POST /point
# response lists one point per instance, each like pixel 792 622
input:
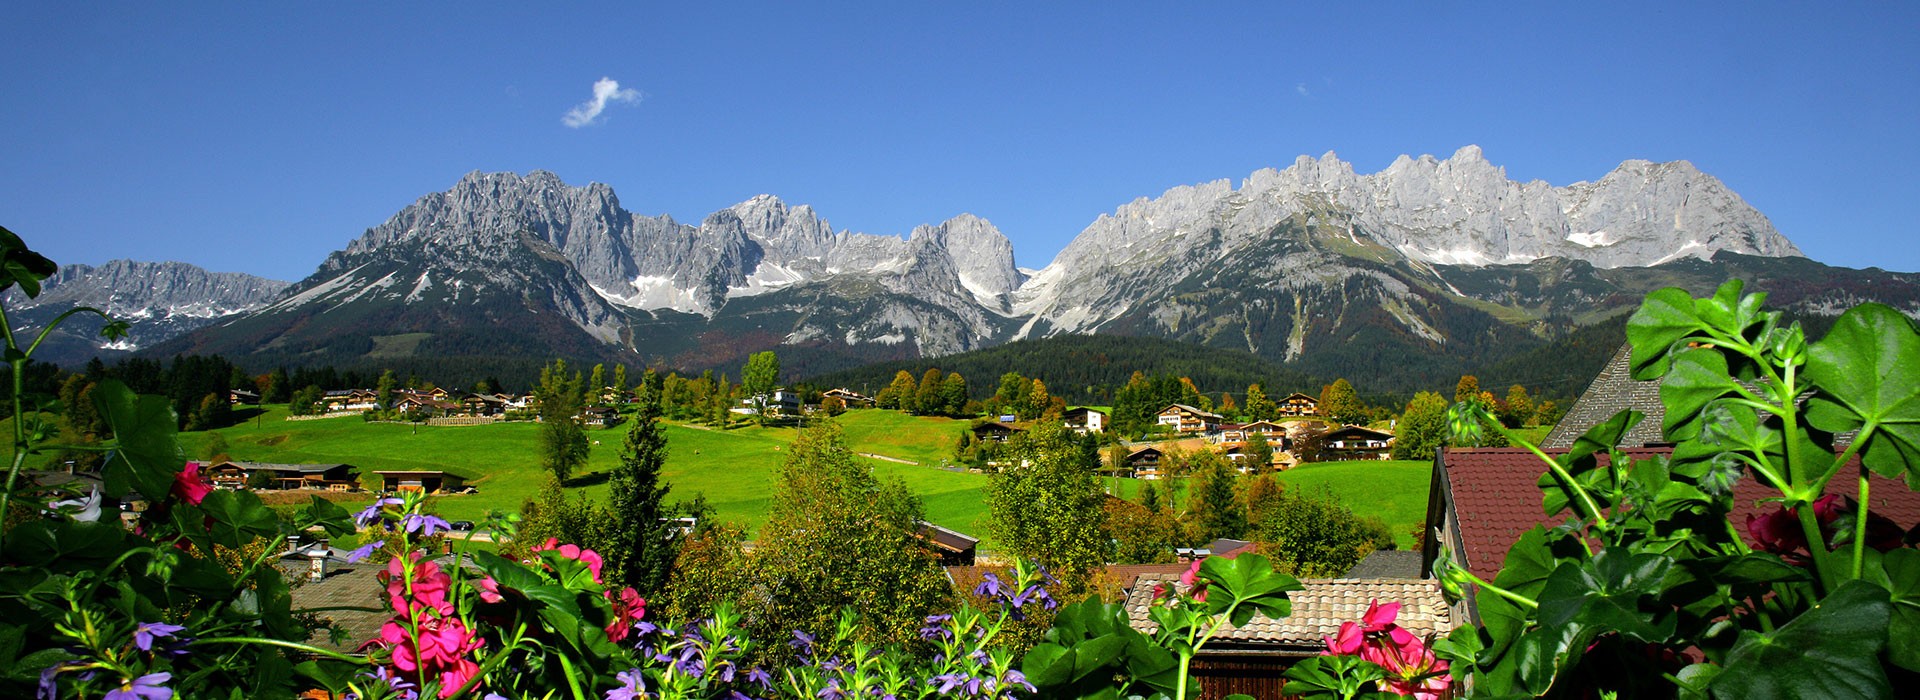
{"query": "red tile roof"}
pixel 1496 500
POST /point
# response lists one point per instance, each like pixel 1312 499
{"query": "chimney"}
pixel 318 568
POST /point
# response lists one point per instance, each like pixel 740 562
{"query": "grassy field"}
pixel 735 468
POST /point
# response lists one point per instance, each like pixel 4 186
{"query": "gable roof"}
pixel 1192 410
pixel 1612 391
pixel 1317 612
pixel 1298 395
pixel 1360 431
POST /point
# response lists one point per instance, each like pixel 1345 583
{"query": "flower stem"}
pixel 1860 525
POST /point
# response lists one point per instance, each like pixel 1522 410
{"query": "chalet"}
pixel 424 404
pixel 328 477
pixel 1187 419
pixel 1228 433
pixel 1274 433
pixel 1298 404
pixel 1144 463
pixel 430 481
pixel 613 396
pixel 225 475
pixel 1085 420
pixel 600 416
pixel 1357 442
pixel 1251 658
pixel 350 400
pixel 482 405
pixel 243 397
pixel 848 397
pixel 954 548
pixel 995 431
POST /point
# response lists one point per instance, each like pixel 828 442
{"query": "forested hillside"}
pixel 1087 369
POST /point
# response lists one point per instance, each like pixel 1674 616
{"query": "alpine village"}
pixel 1314 432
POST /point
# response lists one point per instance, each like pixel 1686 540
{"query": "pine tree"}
pixel 638 543
pixel 1215 507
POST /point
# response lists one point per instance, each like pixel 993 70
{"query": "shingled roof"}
pixel 1317 612
pixel 1613 391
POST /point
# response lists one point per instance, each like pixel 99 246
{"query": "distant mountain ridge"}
pixel 1425 268
pixel 159 300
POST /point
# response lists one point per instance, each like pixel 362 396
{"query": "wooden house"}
pixel 243 397
pixel 1357 442
pixel 600 416
pixel 482 405
pixel 327 477
pixel 1274 433
pixel 1144 463
pixel 430 481
pixel 995 431
pixel 848 397
pixel 1298 404
pixel 954 548
pixel 1187 419
pixel 1085 420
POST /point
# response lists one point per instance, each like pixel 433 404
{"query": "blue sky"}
pixel 258 137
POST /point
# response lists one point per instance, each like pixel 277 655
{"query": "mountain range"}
pixel 1404 277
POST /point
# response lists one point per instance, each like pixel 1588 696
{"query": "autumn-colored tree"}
pixel 899 394
pixel 1519 409
pixel 1259 406
pixel 1466 389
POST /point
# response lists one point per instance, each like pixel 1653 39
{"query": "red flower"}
pixel 188 487
pixel 628 608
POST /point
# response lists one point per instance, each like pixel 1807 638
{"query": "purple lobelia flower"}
pixel 144 635
pixel 936 628
pixel 147 687
pixel 426 525
pixel 633 686
pixel 49 687
pixel 760 675
pixel 363 550
pixel 372 512
pixel 989 587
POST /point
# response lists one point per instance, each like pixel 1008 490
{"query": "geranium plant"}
pixel 1648 587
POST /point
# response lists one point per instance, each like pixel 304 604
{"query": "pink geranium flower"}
pixel 1412 668
pixel 188 487
pixel 628 608
pixel 1196 586
pixel 574 552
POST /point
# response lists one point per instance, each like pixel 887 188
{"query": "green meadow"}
pixel 734 468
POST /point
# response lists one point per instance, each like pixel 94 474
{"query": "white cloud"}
pixel 1302 89
pixel 605 90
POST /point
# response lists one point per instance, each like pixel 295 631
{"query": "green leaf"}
pixel 146 457
pixel 68 544
pixel 1898 571
pixel 1831 651
pixel 1867 369
pixel 1698 377
pixel 511 574
pixel 1665 317
pixel 238 518
pixel 19 265
pixel 1605 593
pixel 1602 437
pixel 331 516
pixel 1244 584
